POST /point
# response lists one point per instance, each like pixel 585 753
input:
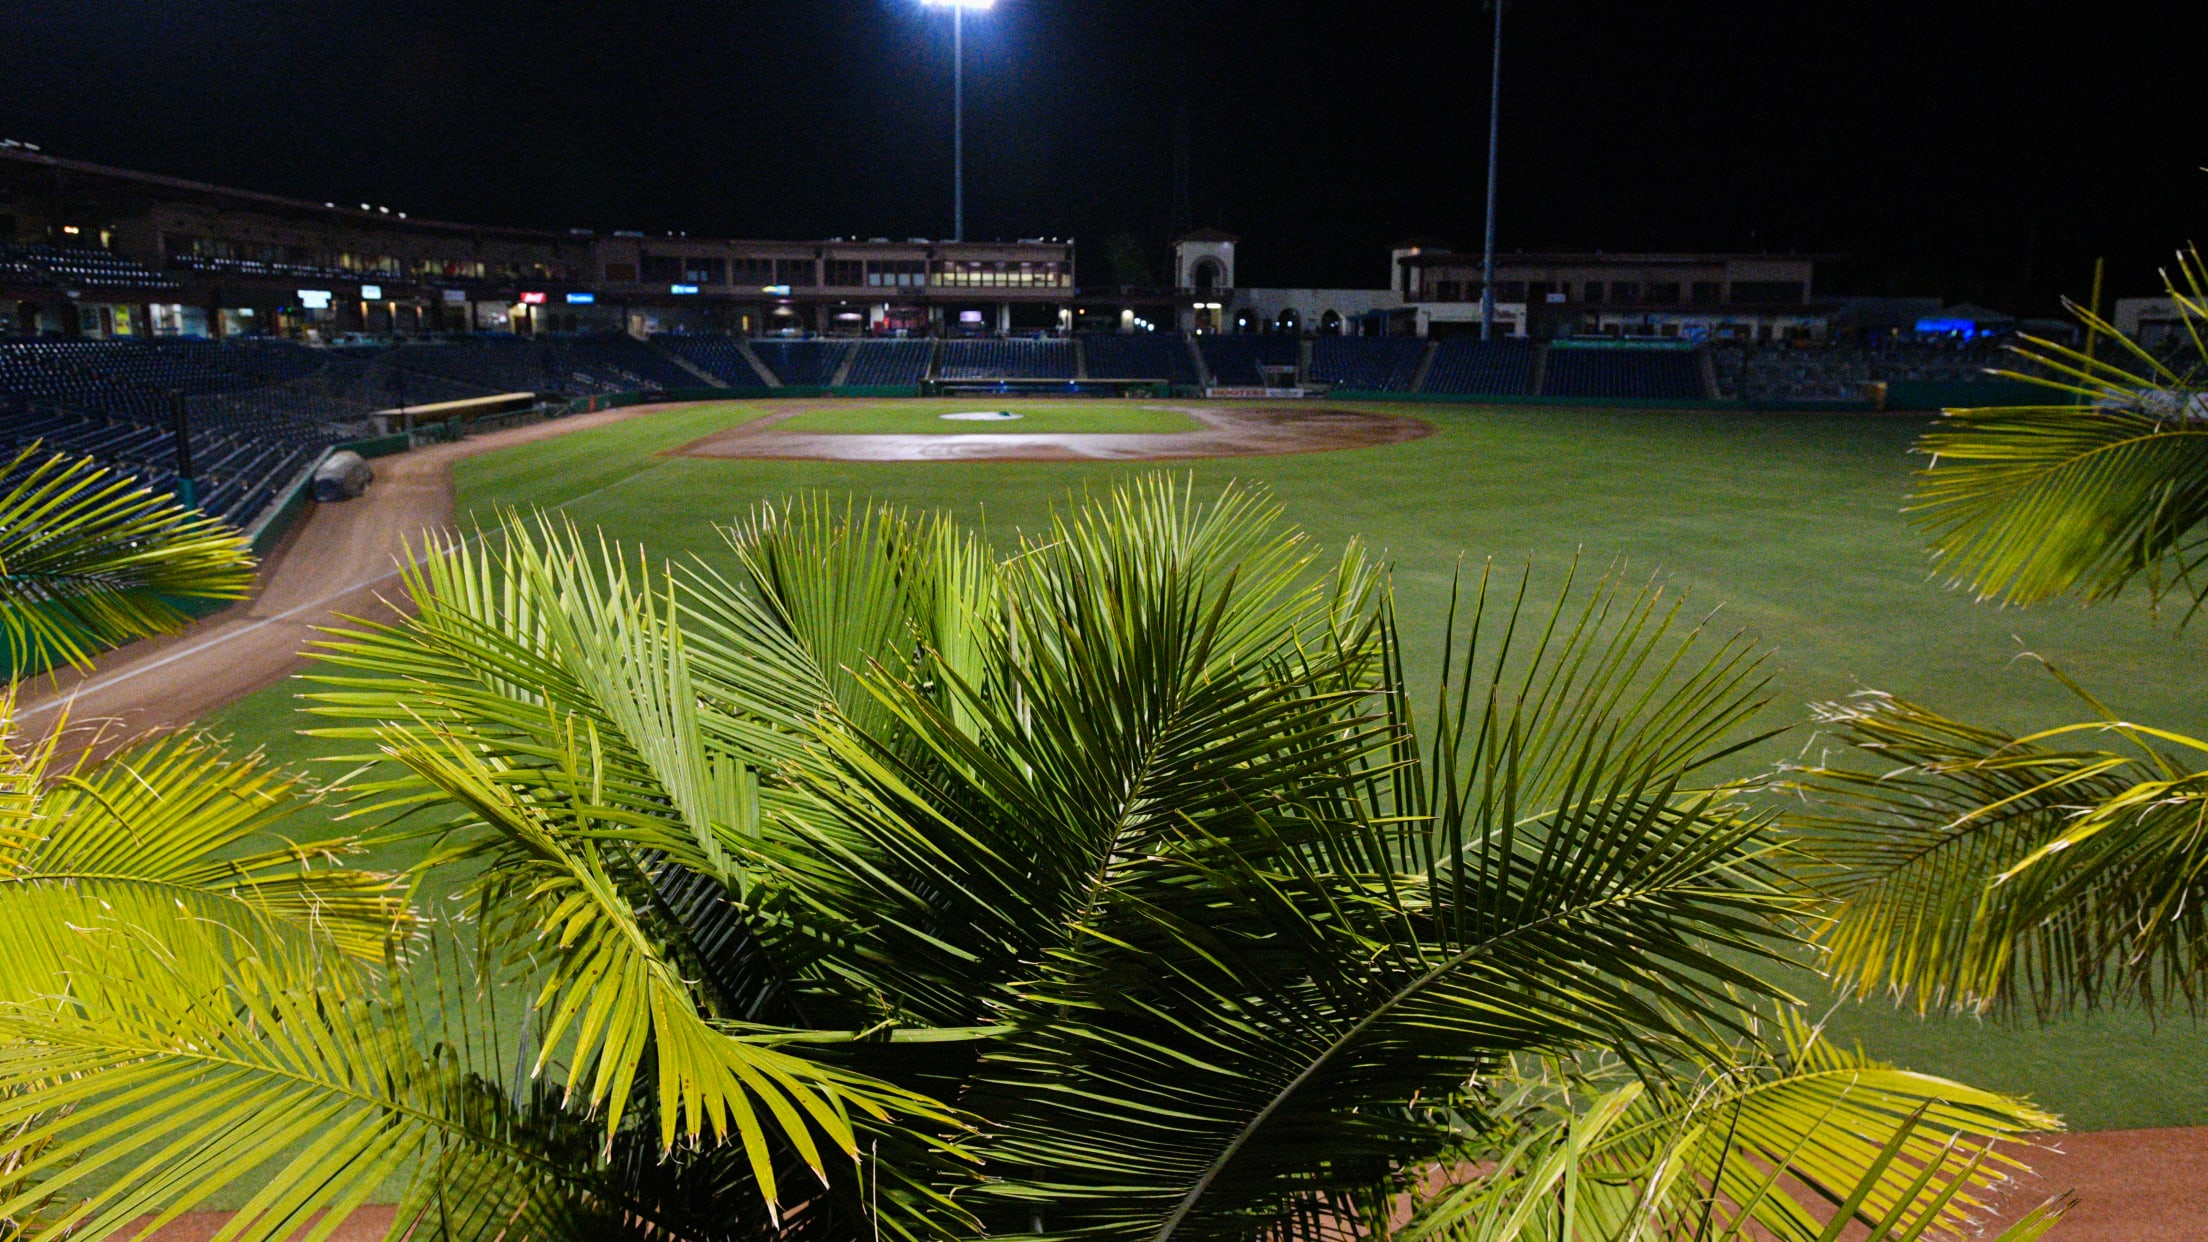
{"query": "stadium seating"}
pixel 718 356
pixel 1821 372
pixel 1140 355
pixel 1470 367
pixel 79 267
pixel 971 360
pixel 1655 374
pixel 1234 359
pixel 803 363
pixel 261 410
pixel 881 363
pixel 1367 363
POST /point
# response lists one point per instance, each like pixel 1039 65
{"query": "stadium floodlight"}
pixel 958 106
pixel 1494 136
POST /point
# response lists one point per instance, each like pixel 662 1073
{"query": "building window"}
pixel 1510 291
pixel 846 273
pixel 698 270
pixel 1448 291
pixel 1664 292
pixel 1775 292
pixel 1594 292
pixel 1708 293
pixel 1625 292
pixel 621 273
pixel 662 269
pixel 896 273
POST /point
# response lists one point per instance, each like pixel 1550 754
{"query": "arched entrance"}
pixel 1330 323
pixel 1289 321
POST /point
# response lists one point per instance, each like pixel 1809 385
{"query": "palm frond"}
pixel 183 818
pixel 2104 484
pixel 547 694
pixel 1259 1010
pixel 170 1058
pixel 89 559
pixel 1800 1148
pixel 1980 870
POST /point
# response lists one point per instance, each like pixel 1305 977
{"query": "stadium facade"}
pixel 90 251
pixel 102 252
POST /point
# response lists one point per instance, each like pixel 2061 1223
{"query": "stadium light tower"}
pixel 1494 136
pixel 958 106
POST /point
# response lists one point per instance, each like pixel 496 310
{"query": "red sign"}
pixel 532 299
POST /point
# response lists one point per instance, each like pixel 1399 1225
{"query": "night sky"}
pixel 1984 151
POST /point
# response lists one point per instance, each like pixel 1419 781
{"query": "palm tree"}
pixel 89 559
pixel 1984 870
pixel 878 882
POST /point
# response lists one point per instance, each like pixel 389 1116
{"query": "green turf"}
pixel 1049 414
pixel 1789 523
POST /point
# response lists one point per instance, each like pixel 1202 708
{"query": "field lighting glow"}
pixel 960 4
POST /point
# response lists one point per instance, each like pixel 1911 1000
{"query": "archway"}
pixel 1289 321
pixel 1330 323
pixel 1207 275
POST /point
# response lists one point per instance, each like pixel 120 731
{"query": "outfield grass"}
pixel 1049 415
pixel 1788 524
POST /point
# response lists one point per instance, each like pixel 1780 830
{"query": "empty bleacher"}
pixel 890 363
pixel 982 360
pixel 1140 355
pixel 804 364
pixel 1476 368
pixel 1623 374
pixel 1367 363
pixel 260 411
pixel 1775 372
pixel 718 356
pixel 79 267
pixel 1234 360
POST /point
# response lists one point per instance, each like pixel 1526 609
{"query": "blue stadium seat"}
pixel 1611 373
pixel 1476 368
pixel 1367 363
pixel 1140 355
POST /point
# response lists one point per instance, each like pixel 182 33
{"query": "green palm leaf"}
pixel 1258 1008
pixel 550 699
pixel 182 818
pixel 2106 483
pixel 1981 870
pixel 89 559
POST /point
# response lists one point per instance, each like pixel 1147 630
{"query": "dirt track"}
pixel 1226 431
pixel 339 560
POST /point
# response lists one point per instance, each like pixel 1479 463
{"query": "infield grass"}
pixel 1787 525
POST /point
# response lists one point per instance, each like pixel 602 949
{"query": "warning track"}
pixel 340 560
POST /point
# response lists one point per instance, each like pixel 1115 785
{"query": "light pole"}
pixel 1494 138
pixel 958 107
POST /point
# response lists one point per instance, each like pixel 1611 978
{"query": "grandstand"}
pixel 1475 368
pixel 1367 363
pixel 890 363
pixel 78 267
pixel 718 356
pixel 803 363
pixel 1234 360
pixel 1147 355
pixel 1778 372
pixel 1623 373
pixel 260 411
pixel 985 359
